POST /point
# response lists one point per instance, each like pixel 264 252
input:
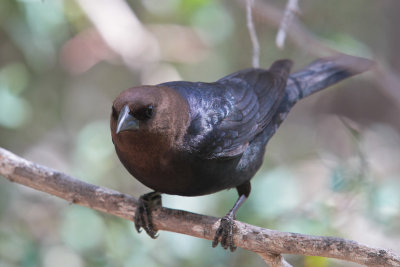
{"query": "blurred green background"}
pixel 333 167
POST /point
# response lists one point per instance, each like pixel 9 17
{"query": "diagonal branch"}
pixel 264 242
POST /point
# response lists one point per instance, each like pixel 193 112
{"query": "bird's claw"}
pixel 143 218
pixel 224 233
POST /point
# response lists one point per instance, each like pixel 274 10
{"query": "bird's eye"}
pixel 149 111
pixel 144 113
pixel 114 112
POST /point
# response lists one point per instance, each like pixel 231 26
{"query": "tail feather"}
pixel 325 72
pixel 317 76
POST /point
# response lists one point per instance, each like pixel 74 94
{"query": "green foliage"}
pixel 82 229
pixel 310 261
pixel 93 151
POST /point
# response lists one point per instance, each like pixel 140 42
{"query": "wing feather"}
pixel 228 114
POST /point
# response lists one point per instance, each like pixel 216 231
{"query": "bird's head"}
pixel 145 112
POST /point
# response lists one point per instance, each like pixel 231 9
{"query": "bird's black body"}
pixel 194 138
pixel 230 124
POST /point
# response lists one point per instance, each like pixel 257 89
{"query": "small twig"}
pixel 274 260
pixel 249 237
pixel 253 34
pixel 304 39
pixel 292 7
pixel 297 32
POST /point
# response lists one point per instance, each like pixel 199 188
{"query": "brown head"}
pixel 149 111
pixel 147 124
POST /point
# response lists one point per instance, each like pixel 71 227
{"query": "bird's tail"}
pixel 317 76
pixel 323 73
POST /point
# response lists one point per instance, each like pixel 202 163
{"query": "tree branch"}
pixel 292 7
pixel 267 243
pixel 253 34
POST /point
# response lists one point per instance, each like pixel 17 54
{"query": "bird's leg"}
pixel 224 233
pixel 143 219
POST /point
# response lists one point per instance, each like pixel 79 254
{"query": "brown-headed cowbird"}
pixel 196 138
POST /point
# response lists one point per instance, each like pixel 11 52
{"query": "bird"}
pixel 198 138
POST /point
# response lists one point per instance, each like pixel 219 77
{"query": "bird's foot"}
pixel 143 218
pixel 224 233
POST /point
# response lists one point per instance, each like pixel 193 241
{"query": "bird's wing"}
pixel 228 114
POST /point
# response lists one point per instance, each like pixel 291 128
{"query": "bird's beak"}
pixel 126 121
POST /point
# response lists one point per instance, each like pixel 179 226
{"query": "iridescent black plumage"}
pixel 199 138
